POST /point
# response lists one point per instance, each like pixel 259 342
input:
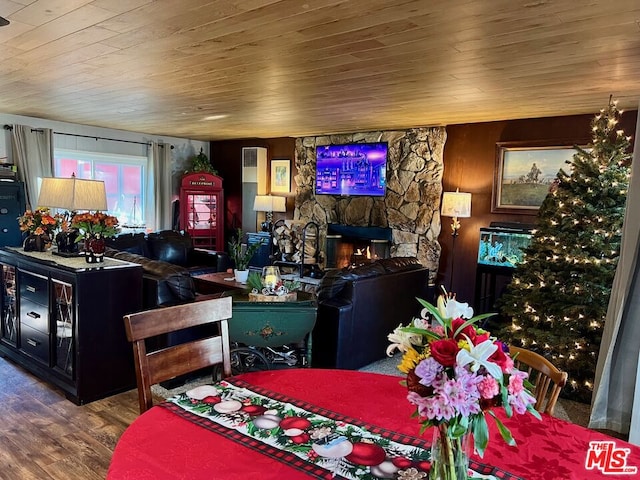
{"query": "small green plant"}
pixel 241 253
pixel 254 281
pixel 200 163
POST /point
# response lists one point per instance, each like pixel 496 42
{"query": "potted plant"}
pixel 241 254
pixel 200 163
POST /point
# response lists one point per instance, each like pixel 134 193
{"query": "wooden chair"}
pixel 542 374
pixel 167 363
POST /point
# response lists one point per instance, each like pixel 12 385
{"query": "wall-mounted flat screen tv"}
pixel 352 169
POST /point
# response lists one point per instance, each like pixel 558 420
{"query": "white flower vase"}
pixel 241 275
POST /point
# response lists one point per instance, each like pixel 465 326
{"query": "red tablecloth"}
pixel 161 445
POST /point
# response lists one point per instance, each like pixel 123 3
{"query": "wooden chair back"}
pixel 164 364
pixel 546 378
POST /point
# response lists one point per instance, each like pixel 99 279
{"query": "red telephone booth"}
pixel 202 209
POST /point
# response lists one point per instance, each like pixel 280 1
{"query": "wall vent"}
pixel 254 182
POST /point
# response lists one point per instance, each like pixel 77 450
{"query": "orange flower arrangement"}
pixel 39 222
pixel 89 224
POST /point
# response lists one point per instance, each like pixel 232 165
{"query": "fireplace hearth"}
pixel 356 245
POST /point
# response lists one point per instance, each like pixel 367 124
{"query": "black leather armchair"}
pixel 358 308
pixel 177 248
pixel 163 283
pixel 169 261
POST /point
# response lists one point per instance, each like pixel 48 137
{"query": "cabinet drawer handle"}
pixel 32 342
pixel 33 315
pixel 31 289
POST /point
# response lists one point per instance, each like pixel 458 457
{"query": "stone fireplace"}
pixel 410 208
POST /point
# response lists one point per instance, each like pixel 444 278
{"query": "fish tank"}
pixel 502 248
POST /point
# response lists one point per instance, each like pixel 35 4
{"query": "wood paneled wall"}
pixel 469 164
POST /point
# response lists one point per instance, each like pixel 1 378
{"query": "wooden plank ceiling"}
pixel 303 67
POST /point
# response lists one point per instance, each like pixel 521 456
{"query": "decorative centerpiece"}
pixel 93 228
pixel 457 374
pixel 41 226
pixel 269 287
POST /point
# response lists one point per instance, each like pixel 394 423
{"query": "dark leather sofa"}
pixel 358 308
pixel 169 261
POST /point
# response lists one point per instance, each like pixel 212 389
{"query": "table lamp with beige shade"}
pixel 71 194
pixel 269 204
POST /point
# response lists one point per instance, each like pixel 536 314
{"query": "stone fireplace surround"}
pixel 411 206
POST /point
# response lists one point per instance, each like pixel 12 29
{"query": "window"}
pixel 123 176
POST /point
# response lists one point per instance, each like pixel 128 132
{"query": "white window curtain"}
pixel 158 208
pixel 33 154
pixel 617 368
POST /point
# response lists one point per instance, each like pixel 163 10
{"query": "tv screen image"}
pixel 502 247
pixel 352 169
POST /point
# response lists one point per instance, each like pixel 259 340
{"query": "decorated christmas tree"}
pixel 558 297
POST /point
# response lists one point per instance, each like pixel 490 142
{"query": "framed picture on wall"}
pixel 280 176
pixel 525 171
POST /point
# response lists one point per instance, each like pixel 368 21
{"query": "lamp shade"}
pixel 269 203
pixel 73 194
pixel 456 204
pixel 279 204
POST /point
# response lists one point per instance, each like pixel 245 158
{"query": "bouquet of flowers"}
pixel 457 373
pixel 92 224
pixel 39 222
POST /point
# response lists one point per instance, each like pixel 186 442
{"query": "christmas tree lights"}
pixel 558 298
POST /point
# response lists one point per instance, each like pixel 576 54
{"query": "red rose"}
pixel 500 358
pixel 469 330
pixel 444 352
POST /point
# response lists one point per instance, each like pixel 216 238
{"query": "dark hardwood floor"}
pixel 45 436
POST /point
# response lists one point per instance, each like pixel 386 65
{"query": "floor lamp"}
pixel 456 205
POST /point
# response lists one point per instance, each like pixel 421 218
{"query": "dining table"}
pixel 275 424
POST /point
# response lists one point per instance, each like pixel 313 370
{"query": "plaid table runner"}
pixel 317 441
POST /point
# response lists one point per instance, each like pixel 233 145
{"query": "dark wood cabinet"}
pixel 491 281
pixel 9 319
pixel 62 321
pixel 34 315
